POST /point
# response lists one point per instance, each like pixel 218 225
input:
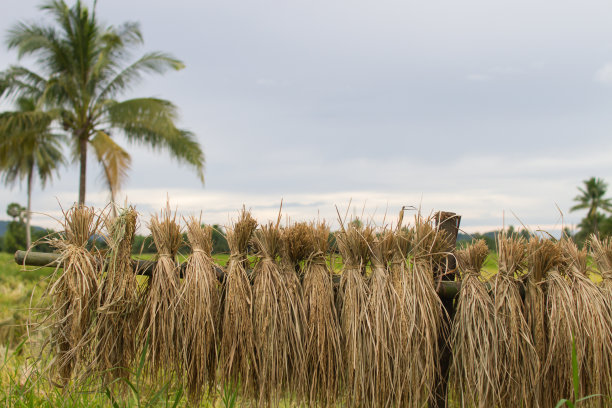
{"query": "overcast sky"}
pixel 484 108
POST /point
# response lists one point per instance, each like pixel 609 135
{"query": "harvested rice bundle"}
pixel 400 280
pixel 354 242
pixel 562 325
pixel 517 359
pixel 543 255
pixel 473 370
pixel 275 337
pixel 199 310
pixel 160 323
pixel 594 335
pixel 74 293
pixel 323 358
pixel 238 358
pixel 602 253
pixel 383 302
pixel 118 301
pixel 295 241
pixel 429 250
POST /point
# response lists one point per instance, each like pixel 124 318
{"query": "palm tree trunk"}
pixel 29 209
pixel 83 167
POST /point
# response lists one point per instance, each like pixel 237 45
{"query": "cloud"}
pixel 604 74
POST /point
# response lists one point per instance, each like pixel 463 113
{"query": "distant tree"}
pixel 592 198
pixel 15 235
pixel 84 67
pixel 28 148
pixel 219 240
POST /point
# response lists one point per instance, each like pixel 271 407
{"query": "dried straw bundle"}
pixel 594 335
pixel 354 242
pixel 323 358
pixel 74 292
pixel 383 302
pixel 517 359
pixel 160 323
pixel 237 357
pixel 275 337
pixel 199 310
pixel 425 320
pixel 118 301
pixel 401 328
pixel 473 371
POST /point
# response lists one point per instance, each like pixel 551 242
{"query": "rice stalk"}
pixel 383 302
pixel 517 359
pixel 199 311
pixel 425 321
pixel 237 356
pixel 602 254
pixel 275 336
pixel 118 301
pixel 160 322
pixel 354 242
pixel 322 350
pixel 74 294
pixel 594 332
pixel 473 378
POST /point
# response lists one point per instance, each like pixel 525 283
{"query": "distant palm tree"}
pixel 84 69
pixel 29 147
pixel 592 197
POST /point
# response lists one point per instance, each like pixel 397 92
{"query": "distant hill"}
pixel 4 226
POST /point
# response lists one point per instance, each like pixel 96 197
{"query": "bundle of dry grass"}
pixel 322 358
pixel 562 324
pixel 543 255
pixel 473 378
pixel 354 242
pixel 401 329
pixel 199 311
pixel 74 293
pixel 238 358
pixel 594 332
pixel 277 342
pixel 118 301
pixel 160 323
pixel 429 250
pixel 383 303
pixel 517 359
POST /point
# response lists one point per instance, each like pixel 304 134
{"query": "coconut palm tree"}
pixel 28 147
pixel 592 197
pixel 84 68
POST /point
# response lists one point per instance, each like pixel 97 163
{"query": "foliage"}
pixel 592 198
pixel 84 66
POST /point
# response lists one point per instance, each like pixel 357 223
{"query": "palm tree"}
pixel 29 147
pixel 592 197
pixel 84 68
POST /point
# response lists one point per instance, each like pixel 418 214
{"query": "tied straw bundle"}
pixel 118 301
pixel 399 277
pixel 323 358
pixel 382 304
pixel 594 335
pixel 473 371
pixel 275 336
pixel 354 242
pixel 160 322
pixel 542 256
pixel 602 253
pixel 74 292
pixel 237 357
pixel 516 357
pixel 429 250
pixel 199 310
pixel 562 326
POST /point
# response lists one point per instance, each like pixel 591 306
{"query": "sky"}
pixel 495 110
